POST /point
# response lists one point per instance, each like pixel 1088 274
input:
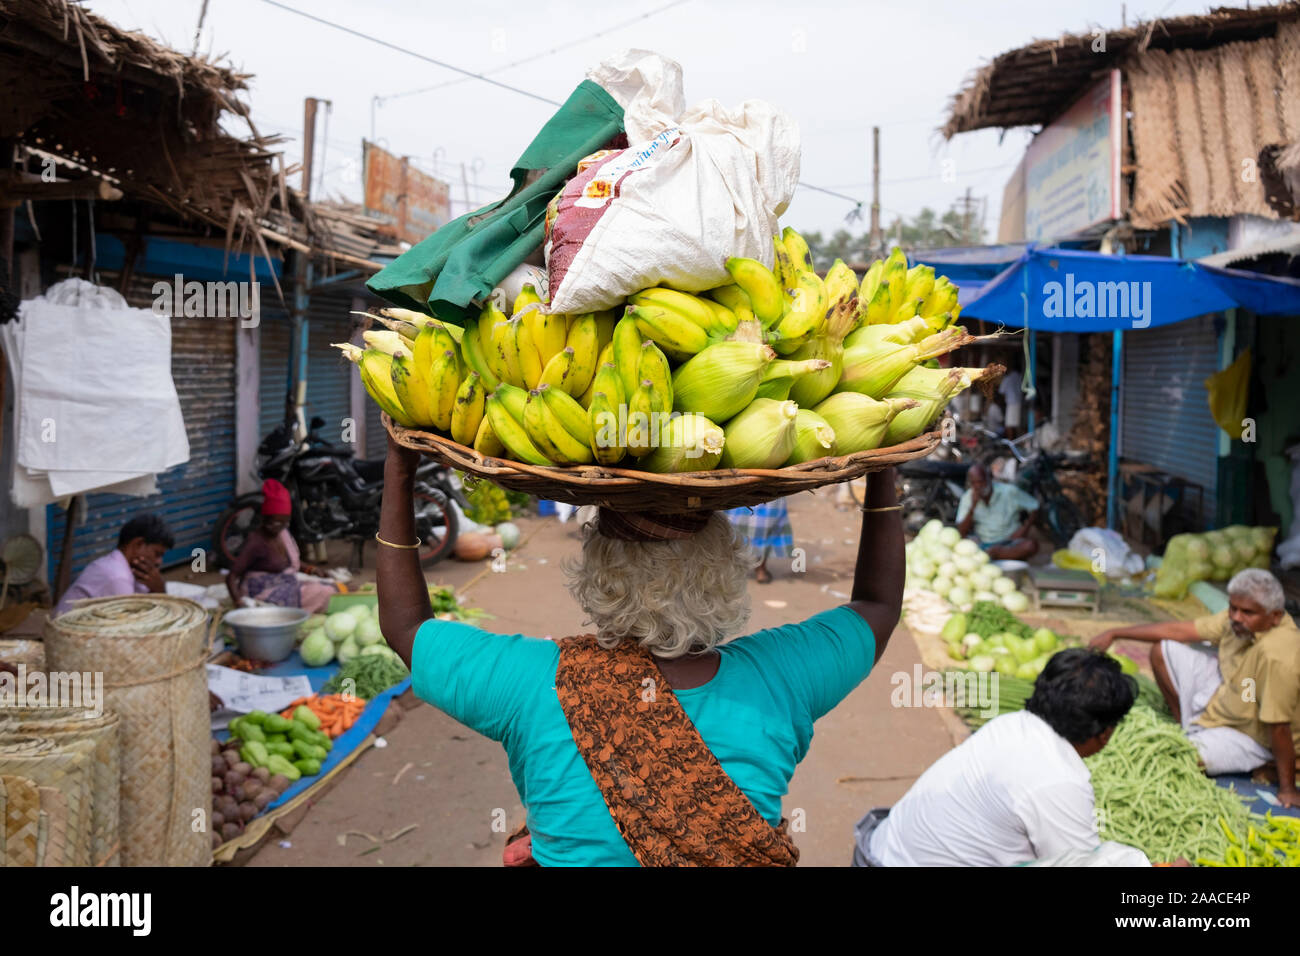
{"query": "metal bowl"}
pixel 266 633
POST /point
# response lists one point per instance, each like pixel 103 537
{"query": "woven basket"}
pixel 67 724
pixel 31 653
pixel 622 489
pixel 151 650
pixel 65 766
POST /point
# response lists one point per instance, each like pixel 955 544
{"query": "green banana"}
pixel 412 390
pixel 564 408
pixel 486 442
pixel 444 381
pixel 806 314
pixel 653 368
pixel 530 359
pixel 584 339
pixel 678 336
pixel 761 286
pixel 798 250
pixel 511 433
pixel 736 299
pixel 467 414
pixel 471 348
pixel 642 421
pixel 782 267
pixel 688 306
pixel 627 353
pixel 376 368
pixel 607 440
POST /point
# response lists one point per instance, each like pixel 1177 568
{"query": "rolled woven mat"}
pixel 22 820
pixel 18 651
pixel 66 767
pixel 73 723
pixel 54 813
pixel 150 649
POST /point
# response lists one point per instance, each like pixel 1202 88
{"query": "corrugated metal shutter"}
pixel 273 371
pixel 1166 415
pixel 376 437
pixel 192 495
pixel 328 386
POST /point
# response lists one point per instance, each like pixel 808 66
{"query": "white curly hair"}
pixel 1259 586
pixel 673 597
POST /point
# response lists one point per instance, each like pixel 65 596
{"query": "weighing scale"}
pixel 1060 587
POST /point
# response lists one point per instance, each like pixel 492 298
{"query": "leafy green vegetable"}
pixel 370 676
pixel 987 619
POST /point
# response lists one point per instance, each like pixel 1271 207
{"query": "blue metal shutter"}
pixel 192 495
pixel 376 437
pixel 1165 408
pixel 273 368
pixel 328 383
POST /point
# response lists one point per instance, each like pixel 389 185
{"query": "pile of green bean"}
pixel 1152 794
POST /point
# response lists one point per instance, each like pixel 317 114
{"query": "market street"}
pixel 865 753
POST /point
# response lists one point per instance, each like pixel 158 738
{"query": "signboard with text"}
pixel 413 203
pixel 1072 168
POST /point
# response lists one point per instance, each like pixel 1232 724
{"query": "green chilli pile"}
pixel 1152 794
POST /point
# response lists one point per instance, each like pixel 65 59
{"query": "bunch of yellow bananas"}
pixel 779 366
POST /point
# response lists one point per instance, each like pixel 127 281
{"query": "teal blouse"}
pixel 756 715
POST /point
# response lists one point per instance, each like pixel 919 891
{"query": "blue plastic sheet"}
pixel 1069 290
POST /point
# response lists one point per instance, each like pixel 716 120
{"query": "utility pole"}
pixel 965 219
pixel 308 144
pixel 464 184
pixel 876 241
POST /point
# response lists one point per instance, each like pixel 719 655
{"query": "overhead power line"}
pixel 537 56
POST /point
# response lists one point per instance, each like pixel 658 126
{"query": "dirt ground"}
pixel 454 785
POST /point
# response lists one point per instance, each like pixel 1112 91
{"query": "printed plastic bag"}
pixel 693 188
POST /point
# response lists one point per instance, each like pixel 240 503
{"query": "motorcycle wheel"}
pixel 1063 520
pixel 232 527
pixel 434 511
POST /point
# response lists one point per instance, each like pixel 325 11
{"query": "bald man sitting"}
pixel 999 514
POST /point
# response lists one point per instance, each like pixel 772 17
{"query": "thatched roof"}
pixel 160 126
pixel 1033 84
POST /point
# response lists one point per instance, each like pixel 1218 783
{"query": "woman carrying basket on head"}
pixel 651 741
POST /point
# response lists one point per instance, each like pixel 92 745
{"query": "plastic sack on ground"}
pixel 1109 549
pixel 1288 552
pixel 1227 394
pixel 1213 556
pixel 693 188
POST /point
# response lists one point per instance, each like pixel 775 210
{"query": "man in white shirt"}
pixel 1017 790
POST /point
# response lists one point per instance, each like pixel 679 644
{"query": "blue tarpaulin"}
pixel 1068 290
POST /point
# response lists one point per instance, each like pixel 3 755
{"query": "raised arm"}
pixel 403 592
pixel 878 577
pixel 1182 631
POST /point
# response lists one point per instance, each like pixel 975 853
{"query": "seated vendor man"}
pixel 133 567
pixel 992 509
pixel 1017 790
pixel 1237 696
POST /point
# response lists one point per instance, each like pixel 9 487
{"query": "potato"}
pixel 233 779
pixel 218 784
pixel 243 768
pixel 227 806
pixel 216 747
pixel 229 831
pixel 231 757
pixel 217 841
pixel 265 798
pixel 262 774
pixel 247 810
pixel 279 783
pixel 218 818
pixel 251 788
pixel 219 766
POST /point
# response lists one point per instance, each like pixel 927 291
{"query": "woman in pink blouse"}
pixel 266 568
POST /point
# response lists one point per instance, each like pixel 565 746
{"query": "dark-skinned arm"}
pixel 403 592
pixel 881 567
pixel 967 524
pixel 1182 631
pixel 1283 748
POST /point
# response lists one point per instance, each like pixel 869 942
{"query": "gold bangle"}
pixel 403 547
pixel 890 508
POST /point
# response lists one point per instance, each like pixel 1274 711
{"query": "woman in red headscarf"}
pixel 267 566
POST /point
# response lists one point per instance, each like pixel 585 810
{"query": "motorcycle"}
pixel 336 495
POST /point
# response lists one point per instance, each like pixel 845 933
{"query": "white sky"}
pixel 863 64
